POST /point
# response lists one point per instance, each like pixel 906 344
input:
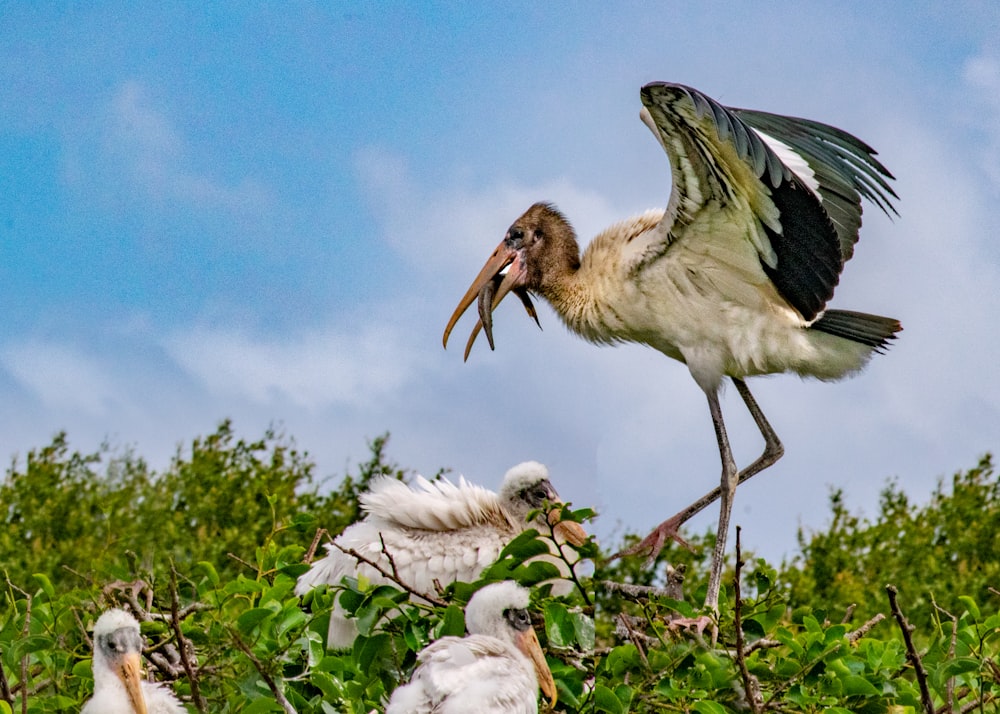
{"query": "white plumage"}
pixel 732 278
pixel 435 531
pixel 118 686
pixel 497 669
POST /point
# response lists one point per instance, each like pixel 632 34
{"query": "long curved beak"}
pixel 527 642
pixel 570 531
pixel 490 287
pixel 130 673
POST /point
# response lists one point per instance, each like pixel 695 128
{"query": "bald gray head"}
pixel 525 488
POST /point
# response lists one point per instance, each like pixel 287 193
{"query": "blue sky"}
pixel 268 213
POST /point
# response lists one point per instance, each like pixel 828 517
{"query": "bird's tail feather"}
pixel 872 330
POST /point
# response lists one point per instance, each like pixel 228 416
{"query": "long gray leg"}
pixel 773 450
pixel 727 490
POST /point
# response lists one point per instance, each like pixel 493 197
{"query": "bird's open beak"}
pixel 527 642
pixel 131 676
pixel 491 286
pixel 570 531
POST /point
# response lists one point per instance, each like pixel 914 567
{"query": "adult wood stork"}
pixel 732 278
pixel 435 532
pixel 118 684
pixel 497 669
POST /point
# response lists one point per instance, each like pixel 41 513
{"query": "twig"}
pixel 750 686
pixel 24 658
pixel 562 554
pixel 761 644
pixel 848 613
pixel 949 687
pixel 311 553
pixel 857 634
pixel 644 592
pixel 271 684
pixel 911 652
pixel 182 644
pixel 636 637
pixel 240 560
pixel 394 577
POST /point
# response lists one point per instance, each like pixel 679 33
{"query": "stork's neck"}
pixel 583 292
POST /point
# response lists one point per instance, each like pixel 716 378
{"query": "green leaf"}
pixel 250 619
pixel 858 686
pixel 970 605
pixel 606 701
pixel 585 630
pixel 706 707
pixel 453 622
pixel 46 585
pixel 558 625
pixel 209 570
pixel 958 666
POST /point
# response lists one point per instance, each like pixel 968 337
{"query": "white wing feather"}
pixel 471 674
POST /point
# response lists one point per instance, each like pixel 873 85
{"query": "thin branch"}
pixel 393 576
pixel 624 627
pixel 911 651
pixel 5 692
pixel 24 658
pixel 271 684
pixel 311 553
pixel 562 554
pixel 848 613
pixel 240 560
pixel 762 644
pixel 857 634
pixel 182 644
pixel 639 593
pixel 750 686
pixel 949 687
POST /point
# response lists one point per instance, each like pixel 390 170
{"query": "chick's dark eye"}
pixel 516 234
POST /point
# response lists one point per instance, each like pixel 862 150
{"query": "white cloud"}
pixel 156 156
pixel 981 75
pixel 453 227
pixel 311 370
pixel 62 377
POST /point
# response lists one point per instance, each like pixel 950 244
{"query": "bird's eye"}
pixel 540 494
pixel 518 619
pixel 516 234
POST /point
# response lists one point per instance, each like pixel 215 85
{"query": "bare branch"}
pixel 750 685
pixel 271 684
pixel 311 553
pixel 849 613
pixel 911 653
pixel 624 627
pixel 182 644
pixel 393 576
pixel 639 593
pixel 857 634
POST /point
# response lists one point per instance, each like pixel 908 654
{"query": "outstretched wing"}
pixel 802 182
pixel 844 168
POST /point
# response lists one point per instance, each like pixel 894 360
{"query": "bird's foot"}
pixel 651 545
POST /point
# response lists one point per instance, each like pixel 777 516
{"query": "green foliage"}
pixel 936 553
pixel 207 554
